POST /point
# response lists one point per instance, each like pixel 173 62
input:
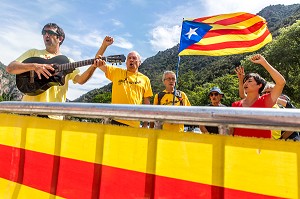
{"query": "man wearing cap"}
pixel 215 95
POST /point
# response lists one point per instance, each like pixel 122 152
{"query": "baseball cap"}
pixel 216 89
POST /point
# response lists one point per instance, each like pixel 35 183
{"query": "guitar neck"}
pixel 73 65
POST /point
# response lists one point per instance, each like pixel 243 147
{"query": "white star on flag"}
pixel 191 32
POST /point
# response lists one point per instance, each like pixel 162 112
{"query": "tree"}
pixel 104 97
pixel 283 54
pixel 227 83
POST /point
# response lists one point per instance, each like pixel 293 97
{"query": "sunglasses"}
pixel 50 32
pixel 213 94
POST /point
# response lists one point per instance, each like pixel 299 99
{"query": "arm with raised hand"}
pixel 276 76
pixel 81 79
pixel 107 41
pixel 241 74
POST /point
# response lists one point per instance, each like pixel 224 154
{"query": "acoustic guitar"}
pixel 29 83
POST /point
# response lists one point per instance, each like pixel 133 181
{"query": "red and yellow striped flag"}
pixel 224 34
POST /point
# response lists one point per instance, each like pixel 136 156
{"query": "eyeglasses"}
pixel 50 32
pixel 169 79
pixel 213 94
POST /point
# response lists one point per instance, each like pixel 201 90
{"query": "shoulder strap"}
pixel 178 95
pixel 161 94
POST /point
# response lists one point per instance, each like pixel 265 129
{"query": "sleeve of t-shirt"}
pixel 109 72
pixel 25 55
pixel 73 75
pixel 148 89
pixel 236 104
pixel 186 100
pixel 155 101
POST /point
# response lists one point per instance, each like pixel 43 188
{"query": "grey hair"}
pixel 167 72
pixel 137 54
pixel 268 86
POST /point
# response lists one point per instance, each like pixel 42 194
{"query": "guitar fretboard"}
pixel 73 65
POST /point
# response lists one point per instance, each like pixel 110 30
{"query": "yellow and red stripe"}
pixel 43 158
pixel 230 34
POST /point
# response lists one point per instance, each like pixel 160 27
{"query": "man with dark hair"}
pixel 60 32
pixel 53 37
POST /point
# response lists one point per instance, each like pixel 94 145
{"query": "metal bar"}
pixel 259 118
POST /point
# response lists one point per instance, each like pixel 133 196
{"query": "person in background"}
pixel 170 97
pixel 215 95
pixel 283 101
pixel 253 85
pixel 276 134
pixel 53 37
pixel 129 86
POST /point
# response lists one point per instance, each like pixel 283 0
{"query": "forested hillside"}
pixel 8 89
pixel 198 73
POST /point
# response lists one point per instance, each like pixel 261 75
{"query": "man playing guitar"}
pixel 53 37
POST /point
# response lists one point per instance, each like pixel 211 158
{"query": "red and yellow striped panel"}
pixel 231 34
pixel 44 158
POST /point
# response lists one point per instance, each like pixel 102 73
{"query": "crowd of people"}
pixel 132 87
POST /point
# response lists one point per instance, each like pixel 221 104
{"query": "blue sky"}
pixel 147 26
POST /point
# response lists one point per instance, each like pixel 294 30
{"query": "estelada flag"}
pixel 224 34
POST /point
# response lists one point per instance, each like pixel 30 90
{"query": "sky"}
pixel 146 26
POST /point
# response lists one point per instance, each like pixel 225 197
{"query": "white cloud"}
pixel 165 37
pixel 73 52
pixel 17 38
pixel 93 39
pixel 122 43
pixel 117 23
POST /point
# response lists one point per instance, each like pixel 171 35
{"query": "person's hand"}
pixel 99 62
pixel 107 41
pixel 258 59
pixel 43 69
pixel 240 72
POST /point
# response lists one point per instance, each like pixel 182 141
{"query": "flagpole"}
pixel 177 71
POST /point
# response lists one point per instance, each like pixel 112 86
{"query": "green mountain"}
pixel 198 73
pixel 8 89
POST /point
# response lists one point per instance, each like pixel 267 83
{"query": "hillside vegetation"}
pixel 197 74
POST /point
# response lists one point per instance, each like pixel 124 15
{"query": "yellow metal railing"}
pixel 46 158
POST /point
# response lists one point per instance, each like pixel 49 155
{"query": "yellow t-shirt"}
pixel 128 88
pixel 276 134
pixel 167 100
pixel 54 93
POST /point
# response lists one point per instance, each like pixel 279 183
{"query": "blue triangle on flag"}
pixel 192 32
